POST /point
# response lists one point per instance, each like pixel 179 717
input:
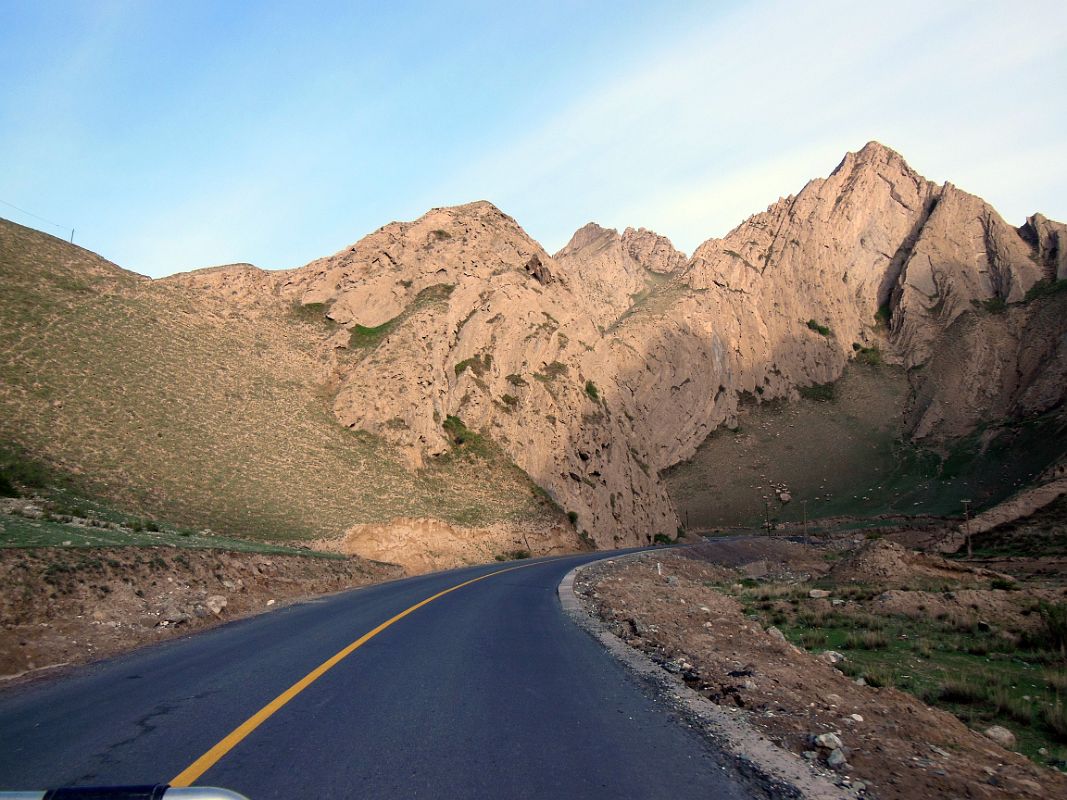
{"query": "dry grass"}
pixel 171 404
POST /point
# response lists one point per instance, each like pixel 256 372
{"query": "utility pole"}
pixel 72 235
pixel 767 523
pixel 804 506
pixel 967 526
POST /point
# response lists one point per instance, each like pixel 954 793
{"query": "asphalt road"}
pixel 489 691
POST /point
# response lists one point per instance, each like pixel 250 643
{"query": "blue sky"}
pixel 179 135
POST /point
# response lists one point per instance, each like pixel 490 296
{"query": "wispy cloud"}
pixel 705 131
pixel 179 135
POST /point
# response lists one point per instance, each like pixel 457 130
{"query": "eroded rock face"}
pixel 424 545
pixel 602 365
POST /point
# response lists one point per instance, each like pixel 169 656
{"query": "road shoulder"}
pixel 777 772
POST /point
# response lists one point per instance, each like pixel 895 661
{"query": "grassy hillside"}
pixel 839 447
pixel 171 403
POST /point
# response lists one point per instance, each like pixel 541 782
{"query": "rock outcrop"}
pixel 600 366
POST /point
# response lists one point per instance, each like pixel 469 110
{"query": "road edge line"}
pixel 783 773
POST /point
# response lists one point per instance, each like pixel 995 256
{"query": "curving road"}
pixel 487 691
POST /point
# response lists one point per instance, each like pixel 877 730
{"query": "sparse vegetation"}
pixel 1053 633
pixel 313 313
pixel 466 441
pixel 867 640
pixel 17 468
pixel 516 380
pixel 552 371
pixel 820 392
pixel 883 315
pixel 478 364
pixel 363 337
pixel 822 330
pixel 871 356
pixel 978 672
pixel 1047 288
pixel 994 305
pixel 591 391
pixel 151 370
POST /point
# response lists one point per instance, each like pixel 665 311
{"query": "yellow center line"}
pixel 191 773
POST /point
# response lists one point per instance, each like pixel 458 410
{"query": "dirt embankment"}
pixel 883 742
pixel 68 606
pixel 425 545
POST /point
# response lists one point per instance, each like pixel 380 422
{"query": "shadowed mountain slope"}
pixel 592 370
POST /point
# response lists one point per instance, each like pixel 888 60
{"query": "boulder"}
pixel 832 657
pixel 1001 736
pixel 215 604
pixel 828 741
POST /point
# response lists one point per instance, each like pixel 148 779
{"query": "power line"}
pixel 31 214
pixel 42 219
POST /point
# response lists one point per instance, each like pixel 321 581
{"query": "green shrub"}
pixel 1056 680
pixel 867 640
pixel 819 392
pixel 573 517
pixel 1055 719
pixel 1053 635
pixel 963 692
pixel 810 639
pixel 455 428
pixel 879 677
pixel 661 538
pixel 883 315
pixel 513 555
pixel 822 330
pixel 516 380
pixel 7 488
pixel 871 356
pixel 479 365
pixel 591 390
pixel 362 336
pixel 464 439
pixel 17 468
pixel 994 305
pixel 552 371
pixel 509 400
pixel 1046 289
pixel 312 312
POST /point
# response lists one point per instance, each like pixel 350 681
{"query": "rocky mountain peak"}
pixel 589 236
pixel 598 367
pixel 652 251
